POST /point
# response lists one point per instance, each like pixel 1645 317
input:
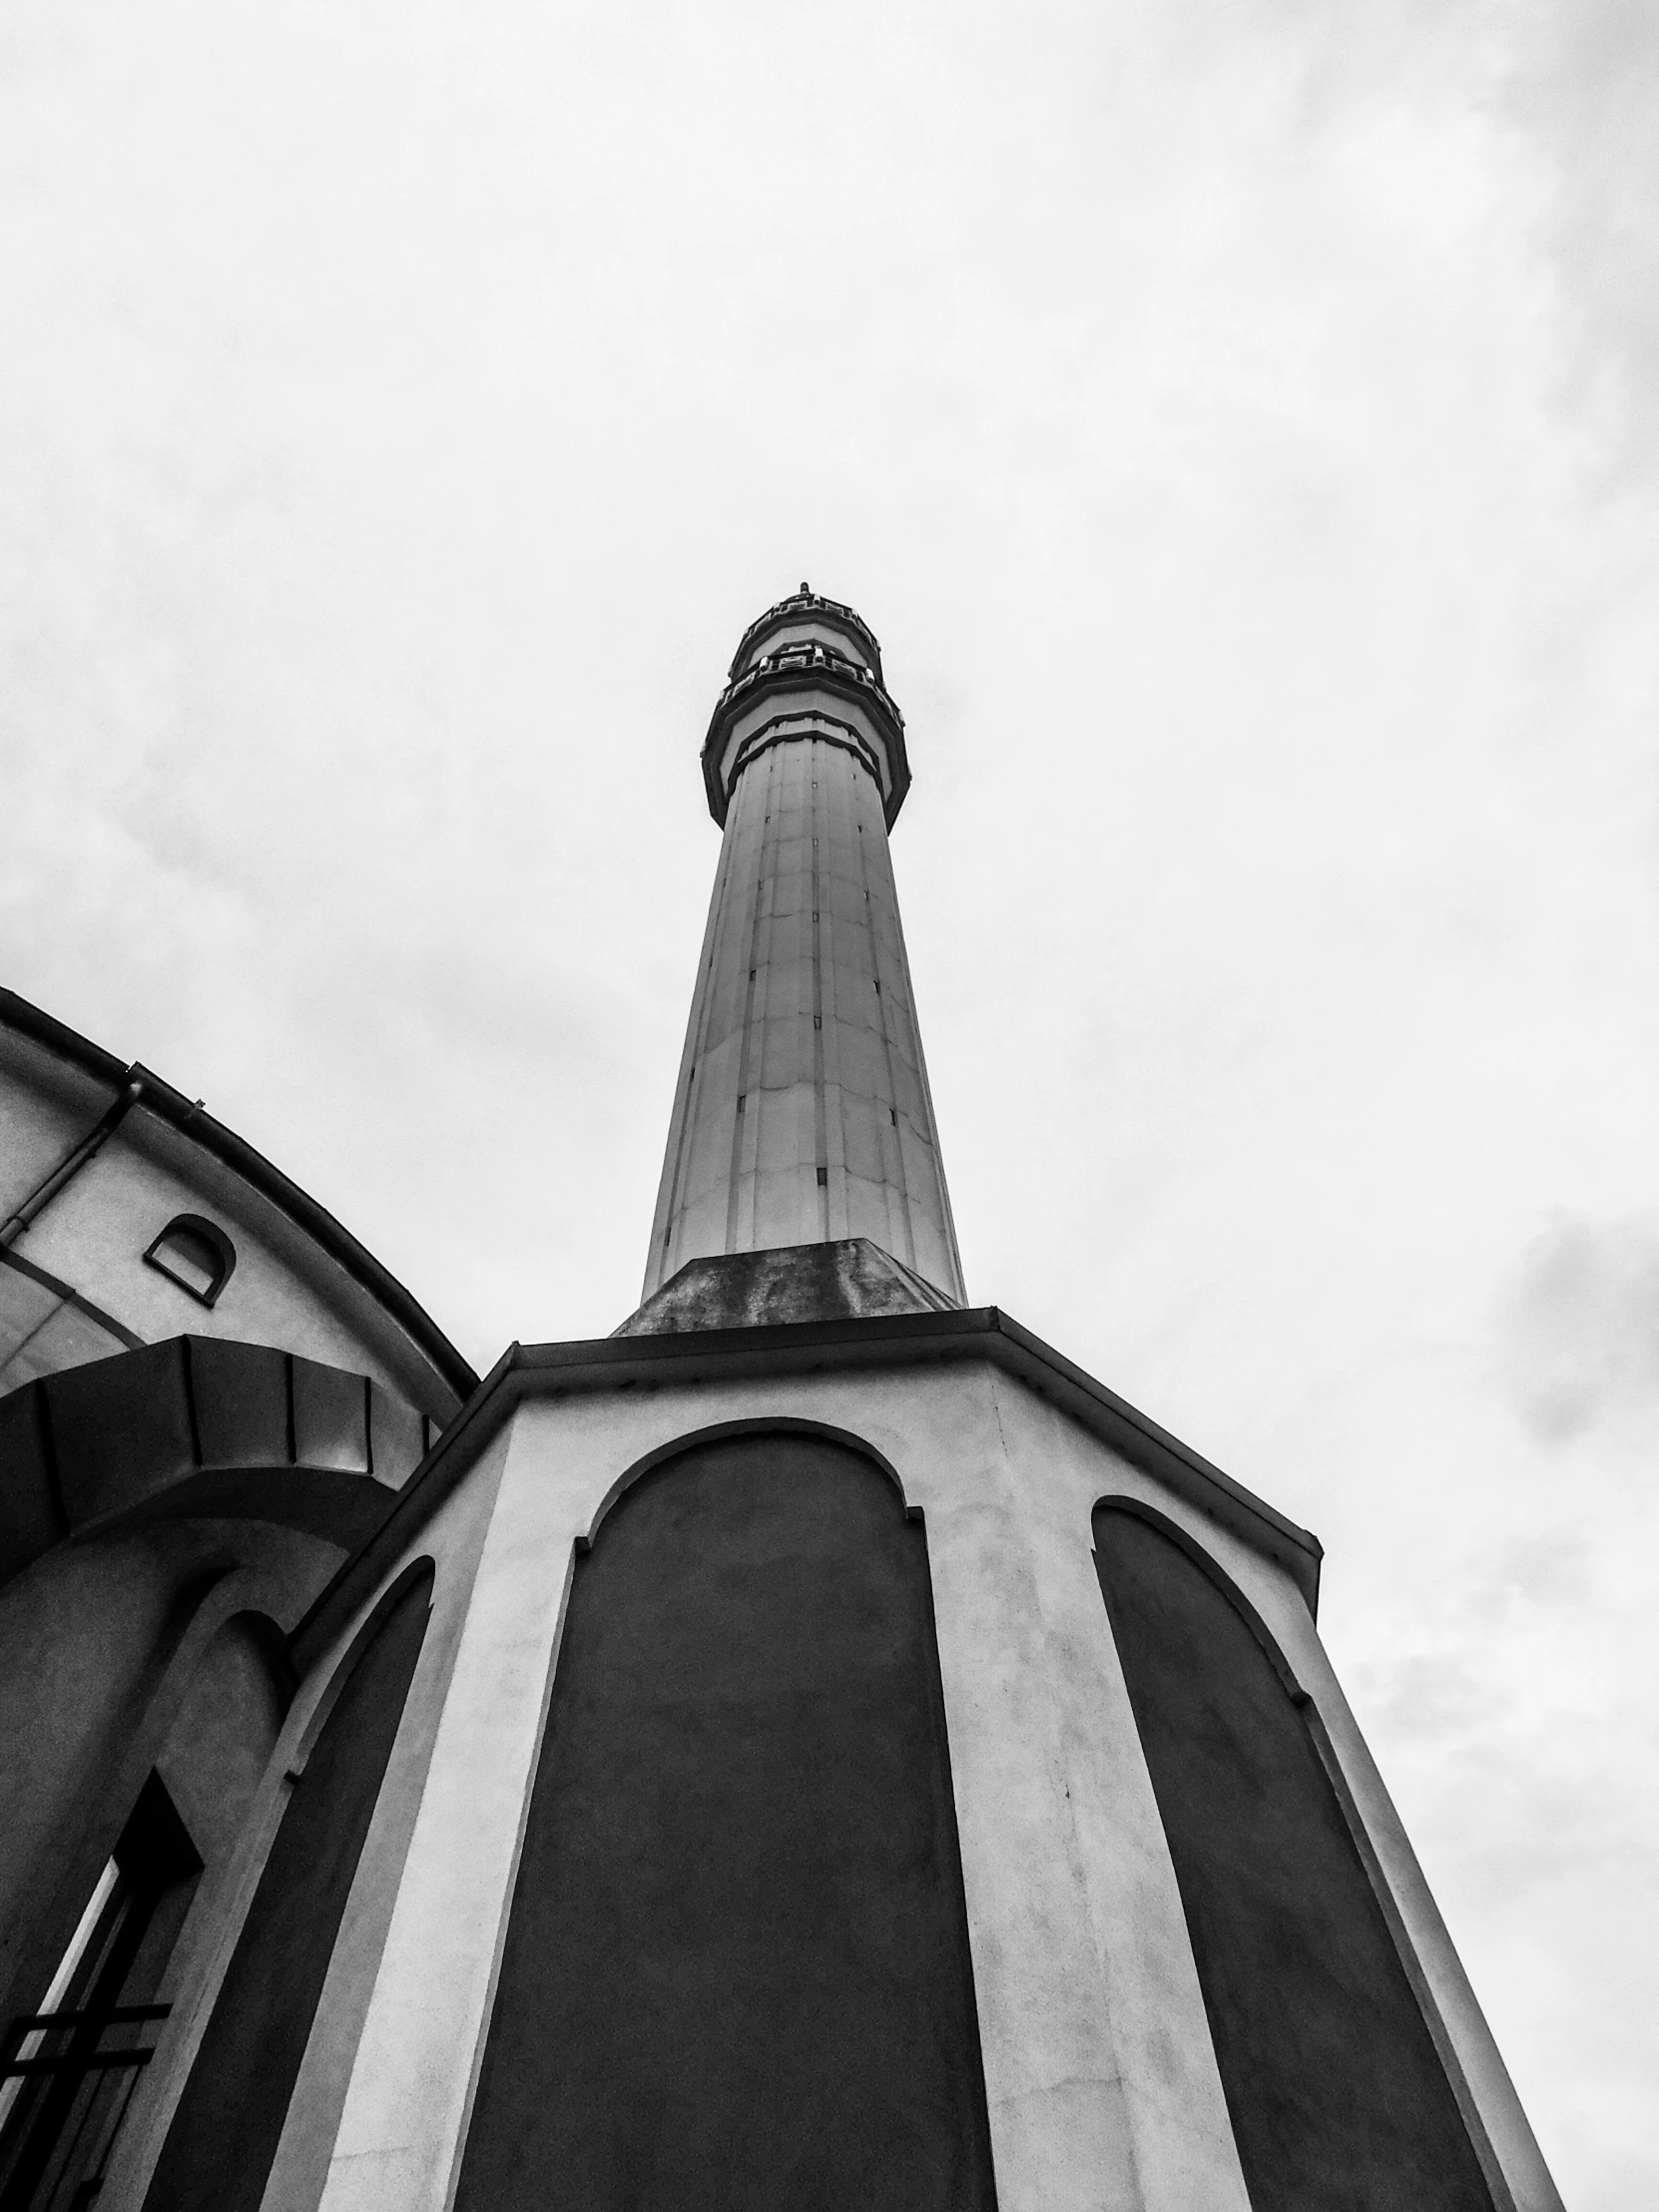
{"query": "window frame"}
pixel 217 1242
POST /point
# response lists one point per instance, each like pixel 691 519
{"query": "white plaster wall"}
pixel 41 1331
pixel 804 1011
pixel 415 2066
pixel 1101 2081
pixel 44 1111
pixel 1056 1454
pixel 284 1290
pixel 1101 2084
pixel 455 1539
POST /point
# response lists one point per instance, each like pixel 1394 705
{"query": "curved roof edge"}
pixel 194 1121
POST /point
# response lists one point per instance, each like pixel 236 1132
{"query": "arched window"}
pixel 69 2070
pixel 196 1254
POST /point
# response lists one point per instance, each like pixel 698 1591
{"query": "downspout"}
pixel 65 1173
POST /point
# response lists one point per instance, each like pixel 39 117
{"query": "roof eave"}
pixel 194 1122
pixel 730 1354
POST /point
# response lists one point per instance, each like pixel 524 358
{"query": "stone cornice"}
pixel 983 1334
pixel 800 606
pixel 784 673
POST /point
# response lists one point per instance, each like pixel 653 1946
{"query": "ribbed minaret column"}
pixel 802 1112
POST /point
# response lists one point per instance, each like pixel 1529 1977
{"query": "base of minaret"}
pixel 850 1280
pixel 850 1758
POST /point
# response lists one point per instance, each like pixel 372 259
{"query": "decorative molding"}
pixel 890 1340
pixel 9 1257
pixel 783 674
pixel 762 1425
pixel 217 1242
pixel 787 728
pixel 804 605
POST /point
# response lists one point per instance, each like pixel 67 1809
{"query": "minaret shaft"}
pixel 802 1112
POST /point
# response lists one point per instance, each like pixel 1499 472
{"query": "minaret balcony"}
pixel 805 689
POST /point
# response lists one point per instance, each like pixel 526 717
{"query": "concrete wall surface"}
pixel 91 1238
pixel 452 1540
pixel 1101 2082
pixel 115 1659
pixel 802 1111
pixel 45 1327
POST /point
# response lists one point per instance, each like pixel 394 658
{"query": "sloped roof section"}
pixel 848 1280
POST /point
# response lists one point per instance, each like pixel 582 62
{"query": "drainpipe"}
pixel 87 1149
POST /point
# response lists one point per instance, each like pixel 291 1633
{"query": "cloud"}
pixel 1583 1334
pixel 1235 420
pixel 1582 84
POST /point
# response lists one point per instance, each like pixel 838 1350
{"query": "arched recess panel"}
pixel 224 2132
pixel 1337 2095
pixel 736 1974
pixel 219 1745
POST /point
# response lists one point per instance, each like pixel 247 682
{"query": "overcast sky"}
pixel 1241 425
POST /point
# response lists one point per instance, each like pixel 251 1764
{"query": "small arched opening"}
pixel 194 1254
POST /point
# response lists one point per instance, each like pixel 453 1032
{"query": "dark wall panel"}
pixel 1338 2097
pixel 224 2136
pixel 736 1974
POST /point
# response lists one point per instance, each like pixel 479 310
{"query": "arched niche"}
pixel 249 2057
pixel 219 1743
pixel 1339 2097
pixel 770 1425
pixel 96 2021
pixel 736 1971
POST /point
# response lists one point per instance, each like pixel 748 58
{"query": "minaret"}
pixel 802 1114
pixel 813 1746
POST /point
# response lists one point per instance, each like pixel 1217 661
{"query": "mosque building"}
pixel 812 1749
